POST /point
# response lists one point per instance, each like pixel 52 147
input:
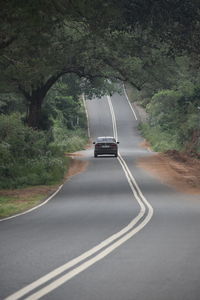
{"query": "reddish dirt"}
pixel 175 169
pixel 77 166
pixel 146 144
pixel 89 144
pixel 28 192
pixel 75 154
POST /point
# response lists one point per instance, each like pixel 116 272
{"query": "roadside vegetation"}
pixel 172 106
pixel 37 158
pixel 10 205
pixel 31 157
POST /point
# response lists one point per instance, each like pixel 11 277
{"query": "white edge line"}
pixel 113 118
pixel 129 102
pixel 86 112
pixel 36 207
pixel 131 106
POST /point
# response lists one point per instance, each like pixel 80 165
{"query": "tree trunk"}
pixel 34 111
pixel 192 145
pixel 35 100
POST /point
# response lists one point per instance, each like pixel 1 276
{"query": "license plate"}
pixel 106 146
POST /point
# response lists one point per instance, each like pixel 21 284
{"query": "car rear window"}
pixel 106 140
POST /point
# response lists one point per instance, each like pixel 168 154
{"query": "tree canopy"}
pixel 40 41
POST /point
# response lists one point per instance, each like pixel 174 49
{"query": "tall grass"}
pixel 160 141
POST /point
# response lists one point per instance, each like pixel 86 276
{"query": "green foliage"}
pixel 35 157
pixel 174 120
pixel 172 103
pixel 10 103
pixel 163 109
pixel 160 140
pixel 63 106
pixel 26 158
pixel 69 140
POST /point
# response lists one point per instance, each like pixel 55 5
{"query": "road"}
pixel 112 232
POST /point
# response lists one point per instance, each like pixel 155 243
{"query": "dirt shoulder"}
pixel 175 169
pixel 77 166
pixel 19 200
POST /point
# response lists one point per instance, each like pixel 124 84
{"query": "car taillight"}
pixel 113 145
pixel 97 145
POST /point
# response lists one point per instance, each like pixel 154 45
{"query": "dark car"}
pixel 105 145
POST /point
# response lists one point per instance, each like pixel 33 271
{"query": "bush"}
pixel 29 157
pixel 159 140
pixel 26 156
pixel 173 121
pixel 69 140
pixel 21 140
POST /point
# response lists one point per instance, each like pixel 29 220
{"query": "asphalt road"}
pixel 111 233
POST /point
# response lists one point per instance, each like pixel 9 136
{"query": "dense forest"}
pixel 53 52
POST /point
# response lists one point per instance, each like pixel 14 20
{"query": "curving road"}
pixel 112 232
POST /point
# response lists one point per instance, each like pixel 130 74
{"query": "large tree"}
pixel 41 41
pixel 32 67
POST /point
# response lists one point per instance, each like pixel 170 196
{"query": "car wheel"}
pixel 95 155
pixel 116 154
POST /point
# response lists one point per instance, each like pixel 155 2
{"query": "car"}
pixel 105 145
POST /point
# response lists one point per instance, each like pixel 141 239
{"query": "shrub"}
pixel 159 140
pixel 29 157
pixel 26 157
pixel 69 140
pixel 173 121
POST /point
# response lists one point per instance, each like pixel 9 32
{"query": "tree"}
pixel 34 68
pixel 92 39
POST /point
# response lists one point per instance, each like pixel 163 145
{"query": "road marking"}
pixel 107 246
pixel 35 207
pixel 121 160
pixel 82 257
pixel 129 102
pixel 114 123
pixel 88 263
pixel 86 112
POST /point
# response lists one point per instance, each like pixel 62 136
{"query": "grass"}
pixel 160 141
pixel 10 205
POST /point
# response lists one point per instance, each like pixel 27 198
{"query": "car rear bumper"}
pixel 105 151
